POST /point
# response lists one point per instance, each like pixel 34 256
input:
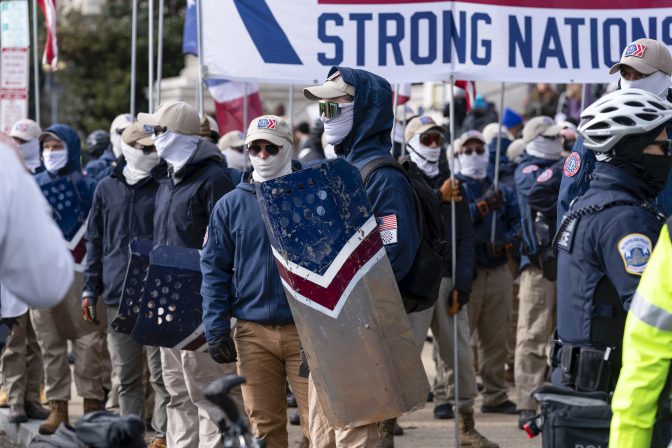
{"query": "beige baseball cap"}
pixel 271 128
pixel 333 87
pixel 175 116
pixel 420 125
pixel 26 130
pixel 490 132
pixel 537 126
pixel 647 56
pixel 232 139
pixel 136 133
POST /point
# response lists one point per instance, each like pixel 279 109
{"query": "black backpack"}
pixel 420 286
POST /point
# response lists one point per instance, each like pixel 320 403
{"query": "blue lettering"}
pixel 335 40
pixel 638 29
pixel 430 18
pixel 520 42
pixel 392 40
pixel 486 44
pixel 665 35
pixel 360 20
pixel 606 43
pixel 594 62
pixel 452 36
pixel 574 30
pixel 551 46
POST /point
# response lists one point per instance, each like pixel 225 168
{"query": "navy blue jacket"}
pixel 506 229
pixel 101 167
pixel 120 213
pixel 240 277
pixel 526 176
pixel 543 196
pixel 507 168
pixel 388 190
pixel 602 245
pixel 185 199
pixel 72 169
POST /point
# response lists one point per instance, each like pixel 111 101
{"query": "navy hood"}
pixel 74 144
pixel 370 136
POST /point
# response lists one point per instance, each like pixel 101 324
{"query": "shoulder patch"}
pixel 530 169
pixel 545 176
pixel 387 226
pixel 572 164
pixel 635 250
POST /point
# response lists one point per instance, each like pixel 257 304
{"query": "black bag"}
pixel 420 286
pixel 573 419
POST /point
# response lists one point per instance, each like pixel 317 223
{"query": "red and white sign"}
pixel 14 62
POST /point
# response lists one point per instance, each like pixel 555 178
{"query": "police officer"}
pixel 605 240
pixel 543 147
pixel 645 64
pixel 647 345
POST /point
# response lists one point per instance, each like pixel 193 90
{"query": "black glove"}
pixel 462 298
pixel 9 322
pixel 223 350
pixel 491 201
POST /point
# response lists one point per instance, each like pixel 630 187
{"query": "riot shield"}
pixel 343 295
pixel 134 286
pixel 171 312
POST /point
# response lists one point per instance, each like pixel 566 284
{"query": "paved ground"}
pixel 421 429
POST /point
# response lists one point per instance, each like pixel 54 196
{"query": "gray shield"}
pixel 343 295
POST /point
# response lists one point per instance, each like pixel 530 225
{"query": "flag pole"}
pixel 134 42
pixel 150 78
pixel 291 107
pixel 36 66
pixel 199 32
pixel 245 108
pixel 394 111
pixel 495 183
pixel 159 59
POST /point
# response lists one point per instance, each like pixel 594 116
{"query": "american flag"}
pixel 388 222
pixel 50 57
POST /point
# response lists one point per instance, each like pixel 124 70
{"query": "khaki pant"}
pixel 536 320
pixel 514 267
pixel 22 369
pixel 192 419
pixel 444 335
pixel 322 435
pixel 489 313
pixel 269 357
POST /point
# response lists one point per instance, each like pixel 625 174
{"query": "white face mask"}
pixel 55 160
pixel 175 148
pixel 545 148
pixel 474 165
pixel 337 128
pixel 329 152
pixel 116 144
pixel 273 166
pixel 31 154
pixel 425 157
pixel 657 83
pixel 138 164
pixel 234 159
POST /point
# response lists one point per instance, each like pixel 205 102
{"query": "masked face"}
pixel 175 148
pixel 270 160
pixel 338 127
pixel 139 163
pixel 657 83
pixel 55 155
pixel 425 157
pixel 473 159
pixel 31 153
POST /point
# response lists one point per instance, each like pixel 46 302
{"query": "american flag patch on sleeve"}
pixel 387 226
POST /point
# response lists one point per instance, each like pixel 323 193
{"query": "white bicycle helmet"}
pixel 619 114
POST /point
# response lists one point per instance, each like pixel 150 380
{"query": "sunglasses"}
pixel 551 137
pixel 329 109
pixel 270 148
pixel 430 138
pixel 469 150
pixel 156 130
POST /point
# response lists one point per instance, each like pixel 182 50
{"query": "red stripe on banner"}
pixel 550 4
pixel 328 297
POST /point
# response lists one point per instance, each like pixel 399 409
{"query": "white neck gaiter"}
pixel 657 83
pixel 55 160
pixel 175 148
pixel 273 166
pixel 31 154
pixel 234 159
pixel 474 165
pixel 138 164
pixel 339 127
pixel 545 148
pixel 115 139
pixel 425 157
pixel 329 152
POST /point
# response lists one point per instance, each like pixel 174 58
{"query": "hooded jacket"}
pixel 507 168
pixel 186 198
pixel 240 277
pixel 388 190
pixel 120 213
pixel 72 169
pixel 102 167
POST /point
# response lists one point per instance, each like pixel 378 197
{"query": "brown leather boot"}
pixel 91 405
pixel 468 434
pixel 58 415
pixel 157 442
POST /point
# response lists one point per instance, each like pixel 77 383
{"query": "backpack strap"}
pixel 376 163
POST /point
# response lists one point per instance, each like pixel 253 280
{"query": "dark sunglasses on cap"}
pixel 469 150
pixel 156 130
pixel 329 109
pixel 431 137
pixel 270 148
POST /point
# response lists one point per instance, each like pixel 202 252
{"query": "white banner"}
pixel 14 62
pixel 297 41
